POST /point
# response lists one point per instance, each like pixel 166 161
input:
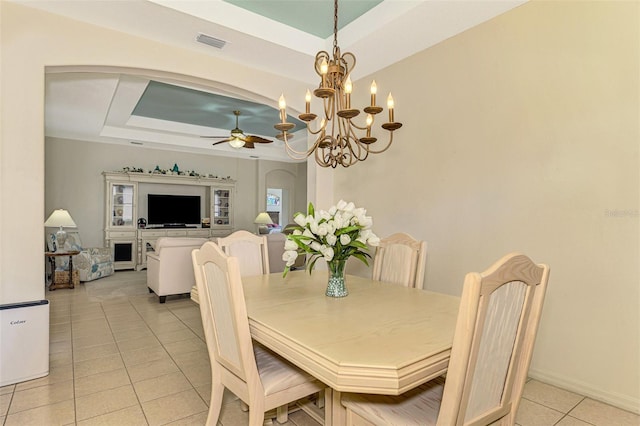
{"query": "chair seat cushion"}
pixel 419 406
pixel 275 372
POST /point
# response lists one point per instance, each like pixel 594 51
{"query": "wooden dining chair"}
pixel 400 259
pixel 250 249
pixel 252 252
pixel 496 328
pixel 257 376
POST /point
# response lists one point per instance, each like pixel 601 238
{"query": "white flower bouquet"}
pixel 334 235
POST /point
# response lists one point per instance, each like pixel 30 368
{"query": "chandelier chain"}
pixel 335 25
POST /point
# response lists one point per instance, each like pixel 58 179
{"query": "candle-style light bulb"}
pixel 390 105
pixel 324 69
pixel 282 104
pixel 348 87
pixel 307 100
pixel 369 120
pixel 374 90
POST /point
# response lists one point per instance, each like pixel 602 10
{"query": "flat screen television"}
pixel 173 210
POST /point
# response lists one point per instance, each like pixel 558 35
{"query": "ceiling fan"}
pixel 238 139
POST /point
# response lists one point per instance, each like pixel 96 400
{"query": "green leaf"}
pixel 358 244
pixel 361 257
pixel 300 240
pixel 312 263
pixel 347 230
pixel 311 210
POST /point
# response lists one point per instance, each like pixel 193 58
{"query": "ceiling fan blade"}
pixel 236 133
pixel 257 139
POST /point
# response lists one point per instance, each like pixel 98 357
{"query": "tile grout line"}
pixel 73 370
pixel 167 309
pixel 144 414
pixel 138 312
pixel 73 366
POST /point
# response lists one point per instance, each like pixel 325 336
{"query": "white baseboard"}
pixel 621 401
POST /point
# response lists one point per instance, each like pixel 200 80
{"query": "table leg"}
pixel 52 264
pixel 70 271
pixel 335 413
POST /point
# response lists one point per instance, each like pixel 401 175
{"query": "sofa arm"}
pixel 153 272
pixel 82 260
pixel 94 263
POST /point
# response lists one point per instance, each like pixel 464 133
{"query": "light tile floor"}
pixel 118 357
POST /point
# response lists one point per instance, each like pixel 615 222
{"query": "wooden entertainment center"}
pixel 130 243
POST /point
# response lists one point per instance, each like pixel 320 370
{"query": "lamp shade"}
pixel 236 142
pixel 60 218
pixel 263 219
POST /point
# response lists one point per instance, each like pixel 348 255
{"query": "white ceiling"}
pixel 98 108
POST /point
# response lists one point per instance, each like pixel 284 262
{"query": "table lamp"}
pixel 60 218
pixel 262 220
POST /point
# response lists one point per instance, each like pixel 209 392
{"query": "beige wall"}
pixel 522 135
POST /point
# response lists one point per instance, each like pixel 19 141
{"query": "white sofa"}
pixel 169 268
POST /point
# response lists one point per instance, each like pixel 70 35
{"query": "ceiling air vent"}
pixel 211 41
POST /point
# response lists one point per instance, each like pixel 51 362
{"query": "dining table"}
pixel 382 338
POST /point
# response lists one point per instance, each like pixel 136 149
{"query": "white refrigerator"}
pixel 24 341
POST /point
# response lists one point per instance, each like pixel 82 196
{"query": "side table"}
pixel 51 256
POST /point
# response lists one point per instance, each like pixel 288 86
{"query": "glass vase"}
pixel 336 286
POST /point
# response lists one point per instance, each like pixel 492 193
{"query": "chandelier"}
pixel 338 142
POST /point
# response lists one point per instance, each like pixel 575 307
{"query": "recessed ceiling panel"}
pixel 183 105
pixel 311 16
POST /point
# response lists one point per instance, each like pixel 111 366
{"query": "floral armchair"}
pixel 91 263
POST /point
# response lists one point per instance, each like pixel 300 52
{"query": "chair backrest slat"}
pixel 250 249
pixel 496 344
pixel 223 311
pixel 400 259
pixel 499 314
pixel 219 297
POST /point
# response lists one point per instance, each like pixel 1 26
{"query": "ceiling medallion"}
pixel 337 142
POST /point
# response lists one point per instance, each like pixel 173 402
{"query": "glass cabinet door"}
pixel 221 207
pixel 122 205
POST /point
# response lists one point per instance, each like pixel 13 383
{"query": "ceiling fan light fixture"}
pixel 236 143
